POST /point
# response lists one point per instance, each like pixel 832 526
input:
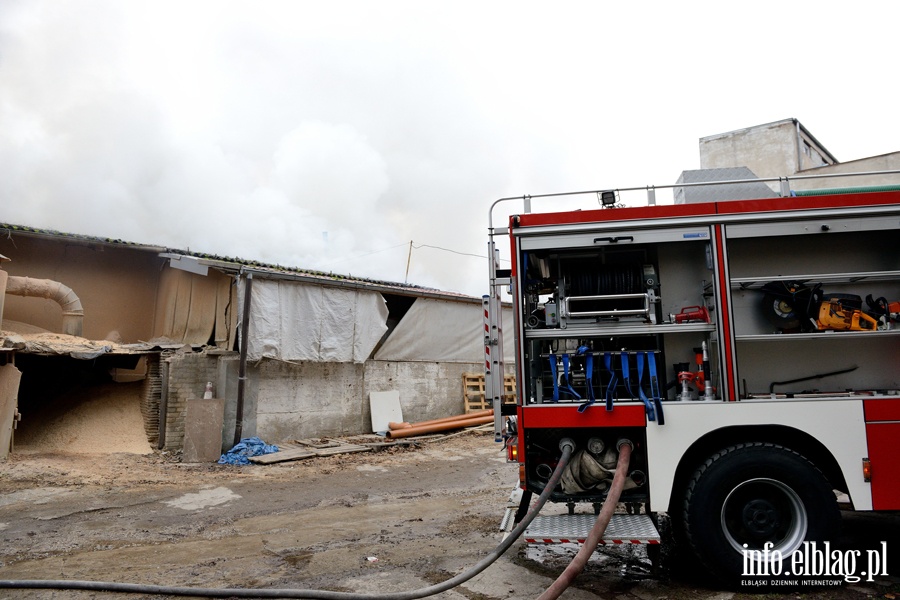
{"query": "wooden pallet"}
pixel 473 391
pixel 301 449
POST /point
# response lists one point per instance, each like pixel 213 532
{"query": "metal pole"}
pixel 408 260
pixel 242 372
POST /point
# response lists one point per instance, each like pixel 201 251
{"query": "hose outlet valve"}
pixel 567 442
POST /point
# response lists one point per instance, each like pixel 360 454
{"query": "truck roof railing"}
pixel 609 197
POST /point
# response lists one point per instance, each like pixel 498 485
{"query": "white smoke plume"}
pixel 329 135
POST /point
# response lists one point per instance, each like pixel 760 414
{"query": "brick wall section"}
pixel 150 395
pixel 188 374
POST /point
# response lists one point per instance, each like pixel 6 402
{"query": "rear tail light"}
pixel 512 449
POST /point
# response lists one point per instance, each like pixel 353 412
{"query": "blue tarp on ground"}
pixel 247 447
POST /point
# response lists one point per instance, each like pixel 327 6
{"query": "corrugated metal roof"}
pixel 236 264
pixel 7 229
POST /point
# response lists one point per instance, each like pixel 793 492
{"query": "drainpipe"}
pixel 73 312
pixel 242 371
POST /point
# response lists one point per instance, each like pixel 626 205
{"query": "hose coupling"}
pixel 567 442
pixel 596 446
pixel 623 442
pixel 638 477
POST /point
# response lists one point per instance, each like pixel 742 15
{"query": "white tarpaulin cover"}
pixel 442 331
pixel 297 321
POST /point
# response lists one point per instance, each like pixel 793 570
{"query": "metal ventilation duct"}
pixel 73 313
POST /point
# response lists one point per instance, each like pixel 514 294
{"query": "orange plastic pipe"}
pixel 479 413
pixel 437 427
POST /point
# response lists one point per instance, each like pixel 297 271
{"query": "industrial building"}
pixel 168 322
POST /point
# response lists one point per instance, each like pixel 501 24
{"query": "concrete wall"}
pixel 309 400
pixel 784 149
pixel 775 149
pixel 304 400
pixel 428 390
pixel 767 150
pixel 288 401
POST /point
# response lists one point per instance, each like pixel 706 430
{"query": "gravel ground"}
pixel 392 520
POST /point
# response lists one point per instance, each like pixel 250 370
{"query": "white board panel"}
pixel 385 408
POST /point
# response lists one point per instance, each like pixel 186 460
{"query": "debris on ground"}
pixel 245 449
pixel 300 449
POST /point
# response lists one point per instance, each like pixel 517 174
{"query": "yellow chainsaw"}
pixel 835 314
pixel 795 306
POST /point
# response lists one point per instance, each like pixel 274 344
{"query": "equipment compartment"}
pixel 823 269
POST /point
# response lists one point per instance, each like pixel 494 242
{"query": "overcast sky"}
pixel 328 134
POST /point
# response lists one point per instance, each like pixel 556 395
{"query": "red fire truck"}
pixel 749 350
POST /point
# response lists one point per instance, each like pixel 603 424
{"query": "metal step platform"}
pixel 566 528
pixel 563 529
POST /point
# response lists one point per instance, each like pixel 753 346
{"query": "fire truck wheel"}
pixel 748 496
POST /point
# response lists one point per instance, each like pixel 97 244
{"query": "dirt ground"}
pixel 378 522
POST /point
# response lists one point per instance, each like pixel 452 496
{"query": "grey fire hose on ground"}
pixel 567 446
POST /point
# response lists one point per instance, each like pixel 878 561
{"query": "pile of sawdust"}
pixel 45 342
pixel 97 419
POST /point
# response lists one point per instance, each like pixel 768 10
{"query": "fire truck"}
pixel 748 349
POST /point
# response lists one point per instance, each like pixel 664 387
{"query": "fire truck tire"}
pixel 751 494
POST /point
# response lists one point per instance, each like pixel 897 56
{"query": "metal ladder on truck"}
pixel 493 340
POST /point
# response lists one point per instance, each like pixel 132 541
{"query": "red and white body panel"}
pixel 839 424
pixel 740 240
